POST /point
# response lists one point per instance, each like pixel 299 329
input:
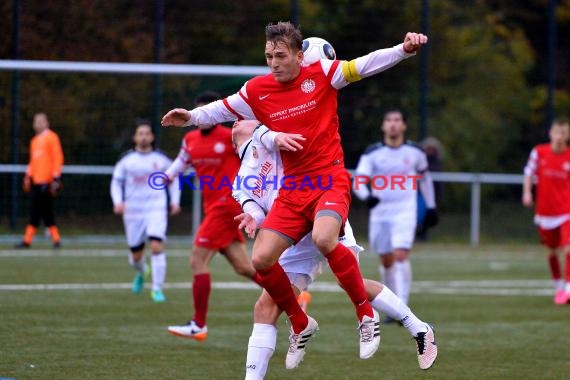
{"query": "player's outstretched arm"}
pixel 232 108
pixel 413 42
pixel 374 62
pixel 177 117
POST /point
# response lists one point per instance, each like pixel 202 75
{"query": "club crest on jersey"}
pixel 219 147
pixel 308 86
pixel 566 166
pixel 255 154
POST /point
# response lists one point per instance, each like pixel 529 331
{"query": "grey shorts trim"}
pixel 287 238
pixel 332 213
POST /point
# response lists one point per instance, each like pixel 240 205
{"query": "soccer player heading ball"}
pixel 303 100
pixel 550 164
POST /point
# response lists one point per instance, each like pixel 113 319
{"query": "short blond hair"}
pixel 560 122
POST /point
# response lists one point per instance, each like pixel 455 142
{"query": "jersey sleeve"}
pixel 248 205
pixel 57 155
pixel 234 107
pixel 428 190
pixel 180 163
pixel 118 183
pixel 265 137
pixel 422 164
pixel 174 187
pixel 364 168
pixel 531 165
pixel 347 72
pixel 29 167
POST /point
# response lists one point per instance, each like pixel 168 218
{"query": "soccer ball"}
pixel 315 49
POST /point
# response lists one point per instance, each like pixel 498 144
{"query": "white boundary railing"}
pixel 475 180
pixel 131 68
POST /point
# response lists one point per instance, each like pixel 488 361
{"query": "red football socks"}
pixel 554 265
pixel 277 284
pixel 345 267
pixel 201 291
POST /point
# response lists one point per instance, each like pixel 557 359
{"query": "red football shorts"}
pixel 219 229
pixel 556 237
pixel 294 210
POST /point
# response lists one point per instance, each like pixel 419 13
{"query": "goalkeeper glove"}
pixel 56 187
pixel 432 218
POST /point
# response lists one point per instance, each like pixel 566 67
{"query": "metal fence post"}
pixel 475 212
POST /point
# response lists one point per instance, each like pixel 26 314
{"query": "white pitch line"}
pixel 420 287
pixel 82 253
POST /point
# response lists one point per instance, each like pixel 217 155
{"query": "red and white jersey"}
pixel 306 105
pixel 260 158
pixel 552 173
pixel 210 152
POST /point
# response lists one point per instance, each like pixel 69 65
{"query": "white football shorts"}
pixel 140 227
pixel 303 262
pixel 386 235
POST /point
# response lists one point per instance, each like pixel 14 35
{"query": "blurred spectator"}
pixel 43 180
pixel 434 153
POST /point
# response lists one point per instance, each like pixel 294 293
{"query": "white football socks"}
pixel 139 266
pixel 387 302
pixel 405 270
pixel 158 270
pixel 261 346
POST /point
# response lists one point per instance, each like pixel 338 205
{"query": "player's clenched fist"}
pixel 413 41
pixel 176 118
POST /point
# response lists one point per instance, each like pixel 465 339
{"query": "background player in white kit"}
pixel 144 208
pixel 392 221
pixel 260 157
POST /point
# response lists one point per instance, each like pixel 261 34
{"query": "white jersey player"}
pixel 391 169
pixel 257 148
pixel 139 194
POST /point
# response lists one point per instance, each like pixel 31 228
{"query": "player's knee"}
pixel 324 244
pixel 137 255
pixel 388 260
pixel 156 246
pixel 198 263
pixel 401 254
pixel 260 262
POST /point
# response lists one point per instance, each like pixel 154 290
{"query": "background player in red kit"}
pixel 550 164
pixel 303 100
pixel 210 152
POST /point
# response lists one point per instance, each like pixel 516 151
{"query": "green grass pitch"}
pixel 491 308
